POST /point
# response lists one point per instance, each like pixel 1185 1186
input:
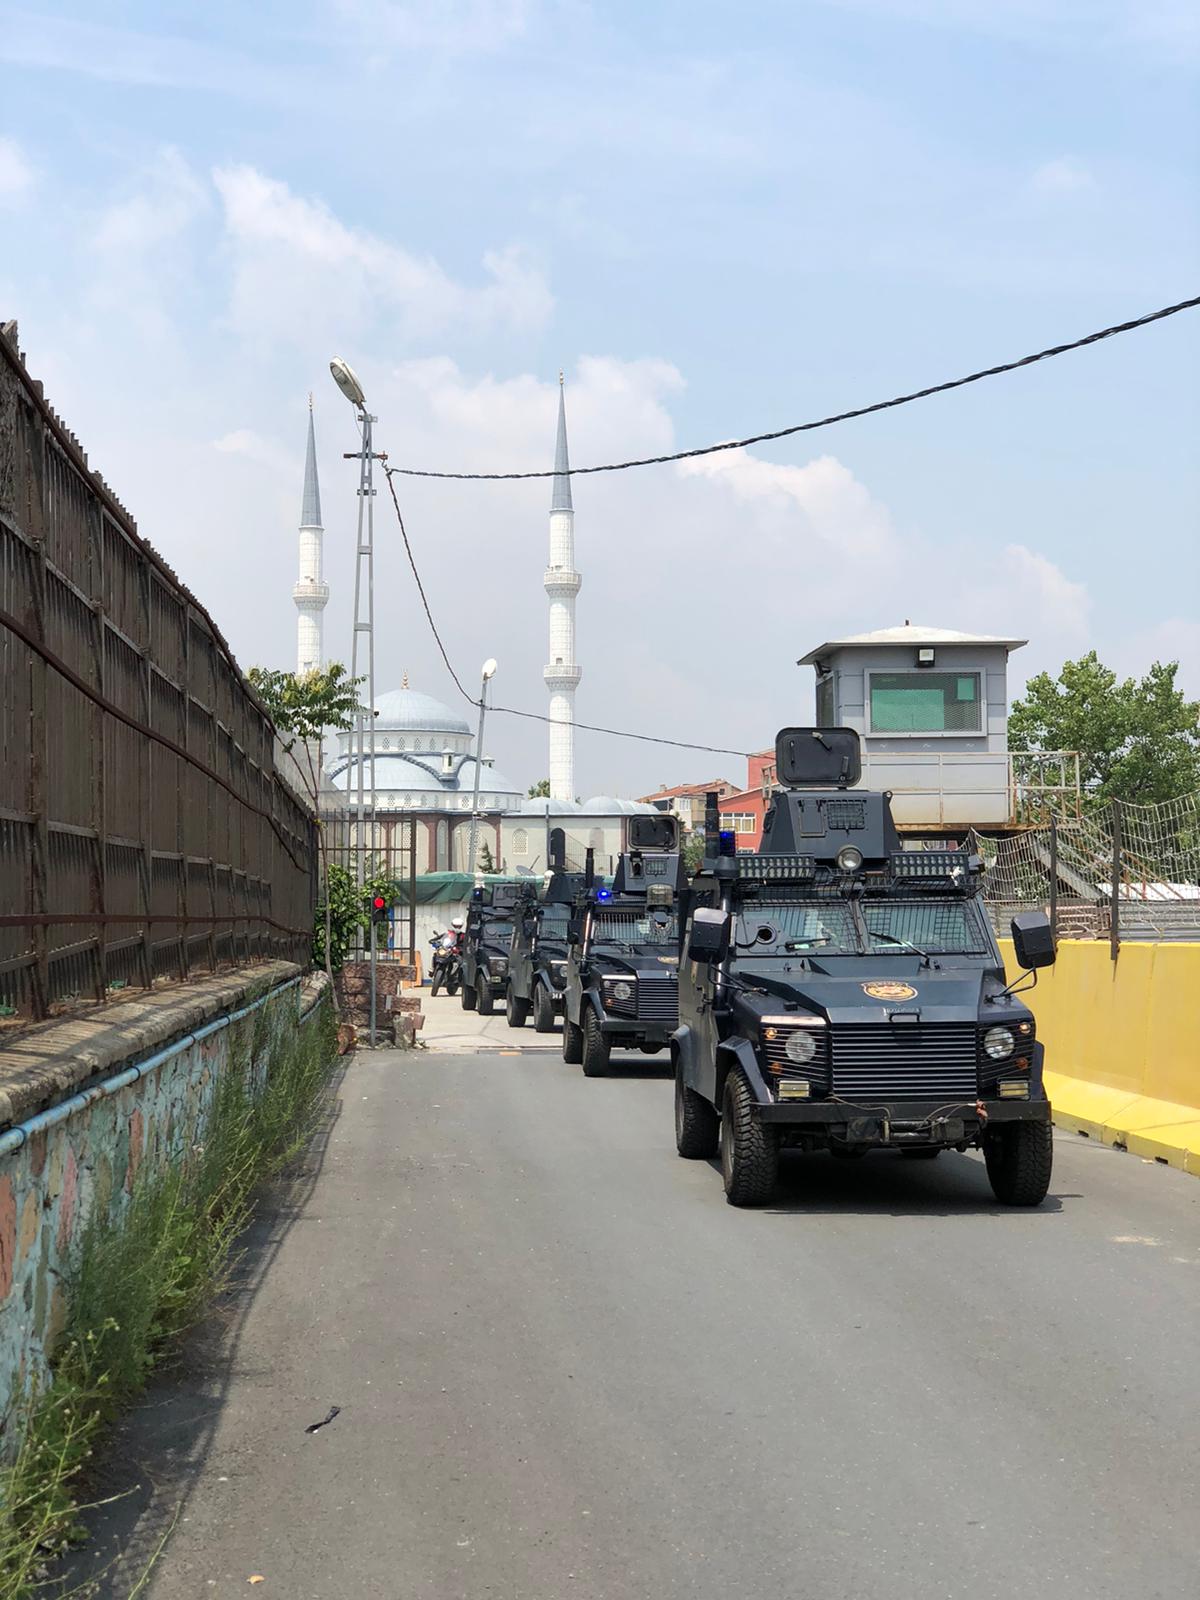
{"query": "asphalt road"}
pixel 567 1369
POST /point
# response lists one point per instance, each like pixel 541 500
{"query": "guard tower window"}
pixel 825 710
pixel 925 702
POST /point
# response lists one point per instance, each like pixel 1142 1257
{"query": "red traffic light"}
pixel 380 903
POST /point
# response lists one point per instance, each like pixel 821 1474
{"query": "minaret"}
pixel 562 585
pixel 311 593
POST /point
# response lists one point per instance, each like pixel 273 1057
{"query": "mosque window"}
pixel 391 799
pixel 387 744
pixel 399 744
pixel 408 800
pixel 520 841
pixel 416 744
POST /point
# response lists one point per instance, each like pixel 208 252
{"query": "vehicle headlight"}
pixel 622 991
pixel 800 1048
pixel 498 964
pixel 999 1043
pixel 849 859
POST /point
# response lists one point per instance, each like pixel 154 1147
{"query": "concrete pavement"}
pixel 566 1368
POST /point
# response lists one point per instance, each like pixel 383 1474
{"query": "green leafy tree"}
pixel 486 861
pixel 693 851
pixel 303 706
pixel 345 911
pixel 540 790
pixel 1137 740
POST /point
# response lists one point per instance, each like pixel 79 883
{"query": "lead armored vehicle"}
pixel 840 993
pixel 623 952
pixel 537 960
pixel 486 944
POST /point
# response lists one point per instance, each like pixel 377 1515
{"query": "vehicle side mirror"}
pixel 1033 940
pixel 709 937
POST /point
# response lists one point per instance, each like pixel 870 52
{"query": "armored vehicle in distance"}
pixel 486 942
pixel 839 993
pixel 623 952
pixel 537 960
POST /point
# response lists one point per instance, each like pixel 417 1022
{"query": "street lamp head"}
pixel 345 378
pixel 489 669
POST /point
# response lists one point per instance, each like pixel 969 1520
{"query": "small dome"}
pixel 606 805
pixel 407 710
pixel 540 806
pixel 490 780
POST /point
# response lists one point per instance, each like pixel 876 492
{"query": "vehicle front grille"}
pixel 658 1000
pixel 917 1061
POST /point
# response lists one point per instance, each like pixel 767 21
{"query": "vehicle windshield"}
pixel 497 932
pixel 553 922
pixel 828 928
pixel 634 927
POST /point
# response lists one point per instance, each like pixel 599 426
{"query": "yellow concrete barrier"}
pixel 1122 1044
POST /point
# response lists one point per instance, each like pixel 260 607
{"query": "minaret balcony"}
pixel 560 582
pixel 560 676
pixel 310 593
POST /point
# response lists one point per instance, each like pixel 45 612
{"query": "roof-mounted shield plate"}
pixel 817 758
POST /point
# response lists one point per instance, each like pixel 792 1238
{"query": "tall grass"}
pixel 143 1278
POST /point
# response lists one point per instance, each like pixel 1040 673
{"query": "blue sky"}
pixel 717 220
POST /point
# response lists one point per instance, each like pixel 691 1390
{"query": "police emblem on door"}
pixel 886 989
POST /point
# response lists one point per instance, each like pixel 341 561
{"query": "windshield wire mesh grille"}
pixel 939 927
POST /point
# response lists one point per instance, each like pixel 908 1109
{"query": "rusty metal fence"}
pixel 144 830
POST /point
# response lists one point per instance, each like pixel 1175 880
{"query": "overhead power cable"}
pixel 510 711
pixel 821 422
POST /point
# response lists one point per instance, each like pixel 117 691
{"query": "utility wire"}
pixel 823 422
pixel 509 711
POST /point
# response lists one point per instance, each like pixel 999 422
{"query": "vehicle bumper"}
pixel 900 1122
pixel 635 1030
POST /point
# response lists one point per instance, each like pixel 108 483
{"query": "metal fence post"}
pixel 1053 875
pixel 1114 924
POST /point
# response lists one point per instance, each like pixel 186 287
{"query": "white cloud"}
pixel 298 270
pixel 16 174
pixel 1063 175
pixel 1044 592
pixel 451 26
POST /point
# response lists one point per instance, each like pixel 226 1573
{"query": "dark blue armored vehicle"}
pixel 623 952
pixel 840 993
pixel 537 960
pixel 486 942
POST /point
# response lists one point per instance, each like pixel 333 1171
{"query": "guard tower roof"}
pixel 910 634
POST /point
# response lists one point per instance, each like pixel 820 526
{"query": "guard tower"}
pixel 931 709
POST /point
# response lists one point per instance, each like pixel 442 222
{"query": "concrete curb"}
pixel 1158 1130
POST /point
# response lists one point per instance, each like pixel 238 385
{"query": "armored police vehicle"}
pixel 839 993
pixel 537 961
pixel 486 942
pixel 623 952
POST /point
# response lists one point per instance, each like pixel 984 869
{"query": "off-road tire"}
pixel 515 1010
pixel 597 1050
pixel 467 998
pixel 1019 1158
pixel 572 1043
pixel 697 1125
pixel 543 1010
pixel 487 1001
pixel 749 1148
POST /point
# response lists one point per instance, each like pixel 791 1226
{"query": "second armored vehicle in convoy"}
pixel 537 959
pixel 486 943
pixel 623 952
pixel 840 993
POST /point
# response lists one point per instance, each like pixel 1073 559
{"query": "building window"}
pixel 520 842
pixel 739 821
pixel 408 800
pixel 924 702
pixel 399 744
pixel 826 715
pixel 387 744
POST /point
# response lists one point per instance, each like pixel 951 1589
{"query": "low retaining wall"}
pixel 1123 1044
pixel 86 1103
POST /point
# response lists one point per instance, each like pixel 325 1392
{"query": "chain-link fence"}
pixel 1118 871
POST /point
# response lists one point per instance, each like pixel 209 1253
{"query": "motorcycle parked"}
pixel 446 967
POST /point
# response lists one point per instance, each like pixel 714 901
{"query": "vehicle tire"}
pixel 451 985
pixel 543 1010
pixel 922 1153
pixel 749 1148
pixel 597 1050
pixel 515 1010
pixel 487 1001
pixel 1019 1158
pixel 467 998
pixel 697 1125
pixel 651 1049
pixel 435 985
pixel 572 1043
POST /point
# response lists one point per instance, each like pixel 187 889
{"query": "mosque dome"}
pixel 606 805
pixel 407 710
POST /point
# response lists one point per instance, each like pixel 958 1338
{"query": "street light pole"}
pixel 364 624
pixel 489 670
